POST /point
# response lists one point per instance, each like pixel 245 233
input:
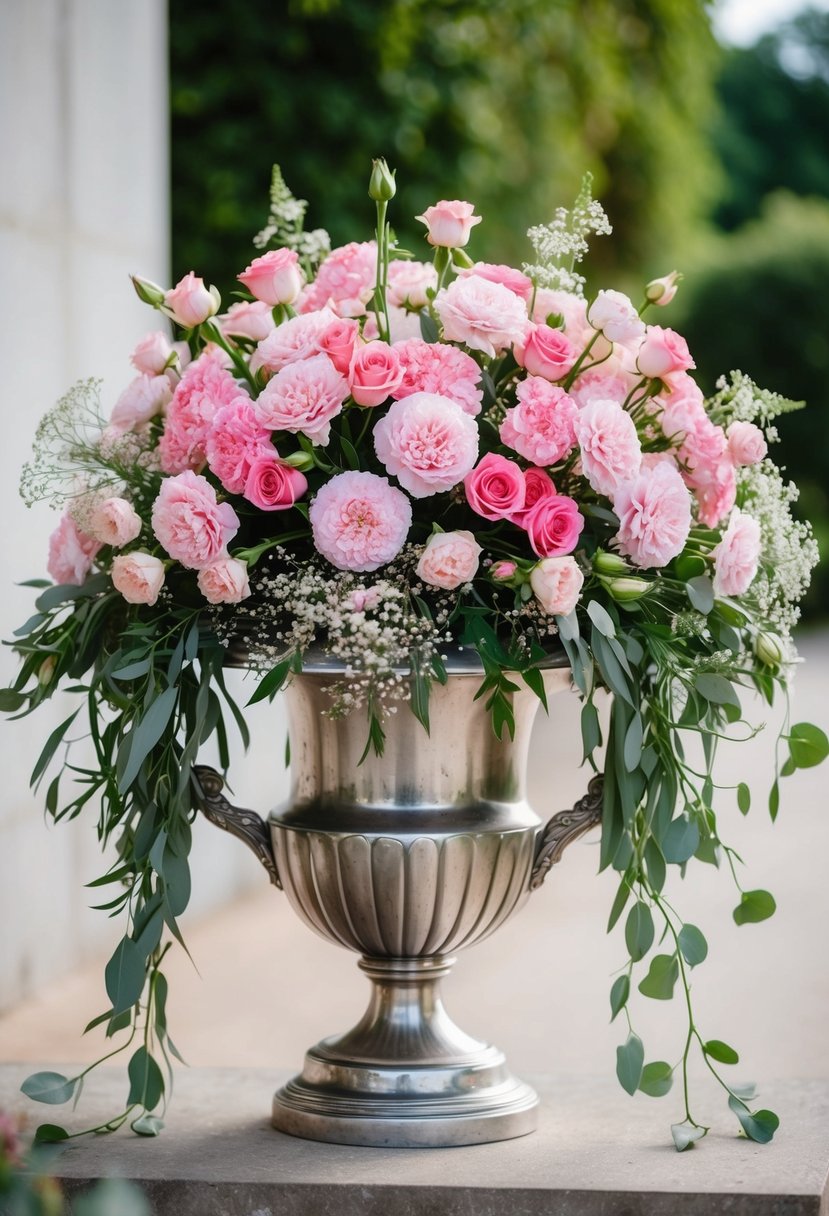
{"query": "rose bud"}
pixel 662 291
pixel 503 571
pixel 190 303
pixel 609 563
pixel 768 649
pixel 626 590
pixel 149 293
pixel 381 186
pixel 275 277
pixel 449 223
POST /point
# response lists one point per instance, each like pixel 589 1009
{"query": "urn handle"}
pixel 564 828
pixel 247 825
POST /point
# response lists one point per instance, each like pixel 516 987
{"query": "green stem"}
pixel 577 366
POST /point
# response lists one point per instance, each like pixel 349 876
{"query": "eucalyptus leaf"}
pixel 808 745
pixel 686 1135
pixel 147 1125
pixel 744 797
pixel 680 841
pixel 50 1133
pixel 693 945
pixel 716 689
pixel 639 930
pixel 146 1080
pixel 721 1052
pixel 759 1126
pixel 124 976
pixel 619 994
pixel 701 593
pixel 52 1088
pixel 144 736
pixel 753 907
pixel 662 975
pixel 428 327
pixel 630 1059
pixel 601 618
pixel 657 1079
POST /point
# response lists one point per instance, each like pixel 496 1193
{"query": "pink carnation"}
pixel 359 521
pixel 189 523
pixel 449 560
pixel 409 282
pixel 486 316
pixel 248 319
pixel 553 526
pixel 435 367
pixel 654 511
pixel 708 468
pixel 514 280
pixel 295 339
pixel 746 443
pixel 427 442
pixel 235 439
pixel 600 384
pixel 737 555
pixel 202 390
pixel 71 553
pixel 224 581
pixel 344 282
pixel 545 352
pixel 138 576
pixel 610 449
pixel 304 397
pixel 141 400
pixel 540 426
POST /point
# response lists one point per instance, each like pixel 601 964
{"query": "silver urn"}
pixel 406 858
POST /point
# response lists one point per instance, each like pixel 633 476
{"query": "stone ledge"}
pixel 219 1156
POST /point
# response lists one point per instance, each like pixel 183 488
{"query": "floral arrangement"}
pixel 384 456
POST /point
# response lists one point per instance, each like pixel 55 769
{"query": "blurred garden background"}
pixel 709 157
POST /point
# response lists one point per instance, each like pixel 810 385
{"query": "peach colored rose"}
pixel 374 374
pixel 449 560
pixel 272 485
pixel 737 556
pixel 224 581
pixel 449 223
pixel 274 278
pixel 545 352
pixel 248 319
pixel 663 353
pixel 138 576
pixel 188 521
pixel 190 302
pixel 427 442
pixel 115 522
pixel 495 488
pixel 152 354
pixel 746 443
pixel 71 553
pixel 557 583
pixel 486 316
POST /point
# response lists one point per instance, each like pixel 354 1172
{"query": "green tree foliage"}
pixel 506 103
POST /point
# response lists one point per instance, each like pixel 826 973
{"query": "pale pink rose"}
pixel 654 511
pixel 338 341
pixel 610 448
pixel 497 273
pixel 705 459
pixel 553 526
pixel 374 374
pixel 449 560
pixel 663 352
pixel 614 314
pixel 224 581
pixel 545 352
pixel 496 488
pixel 683 409
pixel 115 522
pixel 486 316
pixel 502 570
pixel 141 400
pixel 293 340
pixel 359 521
pixel 248 319
pixel 435 367
pixel 557 583
pixel 274 278
pixel 363 599
pixel 537 485
pixel 572 310
pixel 152 354
pixel 189 523
pixel 190 302
pixel 409 282
pixel 591 385
pixel 304 397
pixel 203 389
pixel 715 489
pixel 402 326
pixel 427 442
pixel 345 281
pixel 746 443
pixel 540 426
pixel 71 553
pixel 737 556
pixel 662 291
pixel 235 439
pixel 138 576
pixel 449 223
pixel 272 485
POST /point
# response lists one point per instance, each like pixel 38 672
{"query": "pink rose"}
pixel 224 581
pixel 737 556
pixel 496 488
pixel 274 278
pixel 746 443
pixel 537 485
pixel 654 511
pixel 248 319
pixel 235 439
pixel 570 308
pixel 141 400
pixel 190 524
pixel 449 224
pixel 593 384
pixel 152 354
pixel 338 341
pixel 344 282
pixel 272 485
pixel 545 352
pixel 614 314
pixel 557 583
pixel 540 426
pixel 374 374
pixel 203 389
pixel 293 340
pixel 359 521
pixel 190 302
pixel 71 553
pixel 304 397
pixel 427 442
pixel 115 522
pixel 610 448
pixel 663 353
pixel 402 326
pixel 435 367
pixel 706 462
pixel 449 560
pixel 496 273
pixel 662 291
pixel 503 570
pixel 409 282
pixel 138 576
pixel 553 526
pixel 486 316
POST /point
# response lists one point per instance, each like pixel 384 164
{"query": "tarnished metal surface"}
pixel 246 825
pixel 564 828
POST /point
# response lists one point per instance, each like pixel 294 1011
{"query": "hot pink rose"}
pixel 557 583
pixel 540 426
pixel 248 319
pixel 614 314
pixel 427 442
pixel 663 353
pixel 537 485
pixel 138 576
pixel 449 560
pixel 293 340
pixel 152 354
pixel 141 400
pixel 737 556
pixel 654 511
pixel 344 282
pixel 272 485
pixel 553 526
pixel 496 273
pixel 374 374
pixel 545 352
pixel 224 581
pixel 486 316
pixel 190 524
pixel 496 488
pixel 190 302
pixel 610 448
pixel 115 522
pixel 359 521
pixel 409 282
pixel 71 553
pixel 203 389
pixel 274 278
pixel 435 367
pixel 449 224
pixel 304 397
pixel 338 342
pixel 235 439
pixel 746 443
